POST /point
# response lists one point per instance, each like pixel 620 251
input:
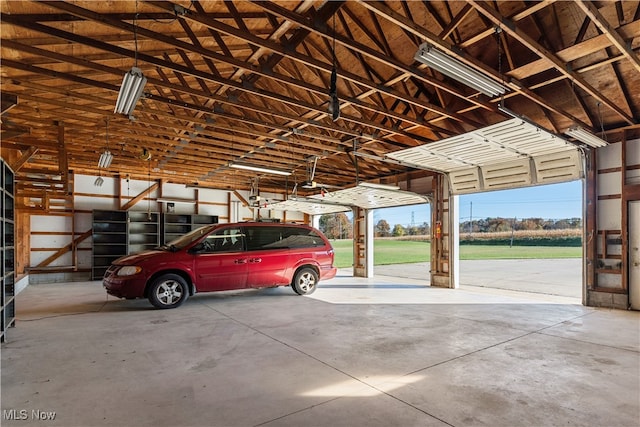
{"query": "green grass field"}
pixel 403 252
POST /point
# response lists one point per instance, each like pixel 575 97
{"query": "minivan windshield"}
pixel 192 236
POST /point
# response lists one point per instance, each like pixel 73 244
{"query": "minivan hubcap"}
pixel 169 292
pixel 306 282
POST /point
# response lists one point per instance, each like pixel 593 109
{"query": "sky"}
pixel 555 201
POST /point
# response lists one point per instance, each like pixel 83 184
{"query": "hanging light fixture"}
pixel 457 70
pixel 105 157
pixel 334 102
pixel 256 168
pixel 133 82
pixel 130 91
pixel 586 137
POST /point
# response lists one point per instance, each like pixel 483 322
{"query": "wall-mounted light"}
pixel 130 92
pixel 256 168
pixel 449 66
pixel 586 137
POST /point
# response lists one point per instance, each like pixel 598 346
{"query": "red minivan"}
pixel 222 257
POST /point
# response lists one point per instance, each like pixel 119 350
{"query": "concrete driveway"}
pixel 558 277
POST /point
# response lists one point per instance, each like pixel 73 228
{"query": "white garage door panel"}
pixel 558 167
pixel 372 198
pixel 510 154
pixel 364 195
pixel 307 206
pixel 465 181
pixel 507 175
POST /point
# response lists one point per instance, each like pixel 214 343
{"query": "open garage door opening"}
pixel 402 239
pixel 524 240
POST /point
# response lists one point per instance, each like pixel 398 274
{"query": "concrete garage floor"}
pixel 553 277
pixel 359 352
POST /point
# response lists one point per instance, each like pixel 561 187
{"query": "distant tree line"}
pixel 339 226
pixel 383 229
pixel 336 226
pixel 490 225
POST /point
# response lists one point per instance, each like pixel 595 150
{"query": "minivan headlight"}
pixel 129 270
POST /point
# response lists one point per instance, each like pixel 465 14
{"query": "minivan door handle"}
pixel 255 260
pixel 240 261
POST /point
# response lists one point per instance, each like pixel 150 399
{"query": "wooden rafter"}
pixel 546 54
pixel 371 53
pixel 250 79
pixel 592 12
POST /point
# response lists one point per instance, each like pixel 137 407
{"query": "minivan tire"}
pixel 305 281
pixel 168 291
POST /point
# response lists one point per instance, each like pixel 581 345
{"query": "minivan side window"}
pixel 224 240
pixel 282 238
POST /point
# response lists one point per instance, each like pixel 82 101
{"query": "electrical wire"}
pixel 135 34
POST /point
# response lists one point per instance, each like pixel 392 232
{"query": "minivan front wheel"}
pixel 168 291
pixel 305 281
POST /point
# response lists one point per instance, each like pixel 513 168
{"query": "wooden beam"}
pixel 24 158
pixel 7 101
pixel 65 249
pixel 377 56
pixel 398 19
pixel 63 166
pixel 511 28
pixel 530 10
pixel 250 38
pixel 456 21
pixel 296 118
pixel 244 201
pixel 594 14
pixel 139 197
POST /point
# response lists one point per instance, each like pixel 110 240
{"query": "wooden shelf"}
pixel 609 258
pixel 608 271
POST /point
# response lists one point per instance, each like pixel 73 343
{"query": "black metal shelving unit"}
pixel 119 233
pixel 109 240
pixel 175 225
pixel 7 231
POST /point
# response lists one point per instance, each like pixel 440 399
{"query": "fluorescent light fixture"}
pixel 105 159
pixel 130 92
pixel 379 186
pixel 449 66
pixel 586 137
pixel 256 168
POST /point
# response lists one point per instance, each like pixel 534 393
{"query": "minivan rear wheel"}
pixel 168 291
pixel 305 281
